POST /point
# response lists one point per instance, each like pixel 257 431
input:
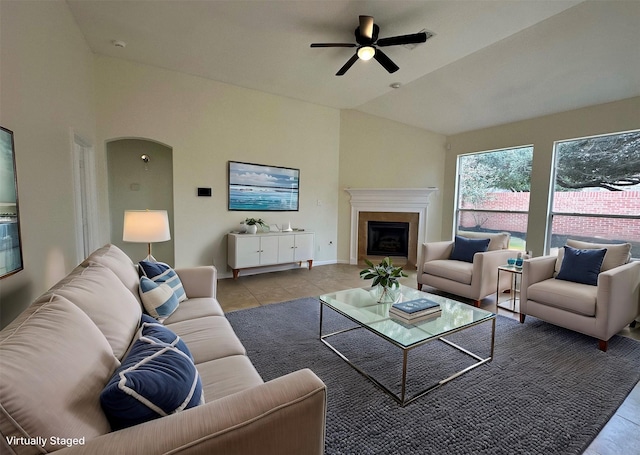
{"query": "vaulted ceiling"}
pixel 489 63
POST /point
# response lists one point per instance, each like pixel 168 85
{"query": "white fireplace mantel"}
pixel 406 200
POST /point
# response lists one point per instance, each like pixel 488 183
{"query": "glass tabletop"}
pixel 360 306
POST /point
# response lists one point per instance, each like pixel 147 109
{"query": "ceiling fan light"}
pixel 366 53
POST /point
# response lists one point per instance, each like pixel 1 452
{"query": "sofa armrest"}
pixel 618 298
pixel 433 251
pixel 538 269
pixel 285 415
pixel 199 281
pixel 535 270
pixel 484 275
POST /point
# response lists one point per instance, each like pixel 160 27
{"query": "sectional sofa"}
pixel 58 355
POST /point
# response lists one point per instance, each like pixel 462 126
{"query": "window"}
pixel 493 193
pixel 596 191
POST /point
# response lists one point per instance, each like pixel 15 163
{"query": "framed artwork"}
pixel 10 243
pixel 260 188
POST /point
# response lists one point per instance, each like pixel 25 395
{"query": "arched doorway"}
pixel 140 177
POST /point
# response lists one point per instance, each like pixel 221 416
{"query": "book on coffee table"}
pixel 414 320
pixel 415 308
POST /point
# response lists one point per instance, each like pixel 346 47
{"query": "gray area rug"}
pixel 547 391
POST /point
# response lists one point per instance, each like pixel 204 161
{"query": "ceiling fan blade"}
pixel 403 39
pixel 366 26
pixel 347 65
pixel 385 61
pixel 333 45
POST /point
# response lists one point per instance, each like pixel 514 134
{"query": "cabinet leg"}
pixel 310 263
pixel 236 272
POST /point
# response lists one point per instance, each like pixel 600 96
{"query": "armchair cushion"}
pixel 498 240
pixel 458 271
pixel 566 295
pixel 581 266
pixel 617 254
pixel 464 248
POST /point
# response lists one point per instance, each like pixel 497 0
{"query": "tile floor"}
pixel 621 435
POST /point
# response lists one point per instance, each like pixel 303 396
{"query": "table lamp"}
pixel 146 226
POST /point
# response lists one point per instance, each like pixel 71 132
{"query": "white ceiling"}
pixel 489 63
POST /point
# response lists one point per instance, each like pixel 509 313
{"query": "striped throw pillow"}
pixel 160 272
pixel 158 299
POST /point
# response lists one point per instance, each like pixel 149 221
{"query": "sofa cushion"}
pixel 158 299
pixel 567 295
pixel 617 253
pixel 209 338
pixel 119 263
pixel 155 379
pixel 100 294
pixel 227 375
pixel 53 367
pixel 160 272
pixel 458 271
pixel 464 249
pixel 194 309
pixel 498 240
pixel 581 266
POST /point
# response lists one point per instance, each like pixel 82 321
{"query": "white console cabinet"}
pixel 257 250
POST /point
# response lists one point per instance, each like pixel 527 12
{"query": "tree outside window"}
pixel 596 195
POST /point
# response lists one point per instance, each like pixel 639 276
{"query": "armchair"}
pixel 472 280
pixel 599 311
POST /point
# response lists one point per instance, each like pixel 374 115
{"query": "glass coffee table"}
pixel 360 306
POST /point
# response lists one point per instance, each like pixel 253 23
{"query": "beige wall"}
pixel 378 153
pixel 540 132
pixel 46 90
pixel 208 123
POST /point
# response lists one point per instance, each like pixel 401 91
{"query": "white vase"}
pixel 243 227
pixel 252 228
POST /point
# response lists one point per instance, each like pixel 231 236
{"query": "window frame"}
pixel 552 191
pixel 457 212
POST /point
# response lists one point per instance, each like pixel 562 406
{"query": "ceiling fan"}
pixel 368 43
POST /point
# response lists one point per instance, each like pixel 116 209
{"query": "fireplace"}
pixel 405 205
pixel 387 238
pixel 387 227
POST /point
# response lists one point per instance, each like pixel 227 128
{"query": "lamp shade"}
pixel 146 226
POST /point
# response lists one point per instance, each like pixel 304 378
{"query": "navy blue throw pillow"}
pixel 153 332
pixel 464 248
pixel 581 266
pixel 154 380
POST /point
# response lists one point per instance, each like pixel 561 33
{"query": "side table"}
pixel 514 290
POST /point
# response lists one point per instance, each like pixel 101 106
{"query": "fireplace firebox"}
pixel 387 238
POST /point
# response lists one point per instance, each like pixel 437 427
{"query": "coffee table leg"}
pixel 404 376
pixel 321 307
